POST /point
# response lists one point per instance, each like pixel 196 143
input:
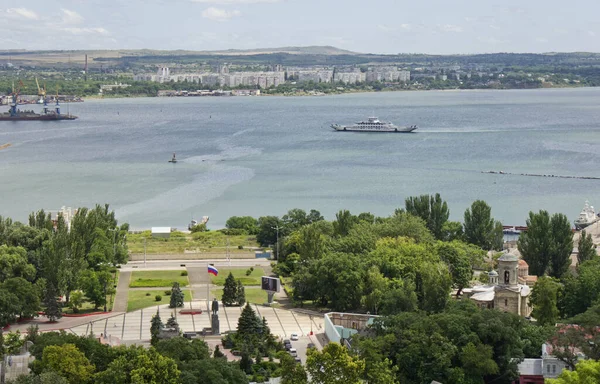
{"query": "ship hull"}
pixel 581 225
pixel 37 117
pixel 379 130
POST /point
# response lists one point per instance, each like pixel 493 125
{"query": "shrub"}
pixel 184 273
pixel 167 293
pixel 248 272
pixel 240 247
pixel 158 297
pixel 252 269
pixel 147 293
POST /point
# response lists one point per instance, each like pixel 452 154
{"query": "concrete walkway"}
pixel 199 279
pixel 122 295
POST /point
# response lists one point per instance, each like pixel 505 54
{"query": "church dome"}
pixel 508 257
pixel 492 273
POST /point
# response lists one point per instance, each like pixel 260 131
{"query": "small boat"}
pixel 173 160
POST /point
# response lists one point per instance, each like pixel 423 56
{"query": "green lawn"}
pixel 239 274
pixel 144 279
pixel 253 295
pixel 138 299
pixel 212 241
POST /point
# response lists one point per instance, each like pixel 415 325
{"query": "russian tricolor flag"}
pixel 213 270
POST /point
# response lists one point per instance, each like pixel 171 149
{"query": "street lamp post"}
pixel 277 251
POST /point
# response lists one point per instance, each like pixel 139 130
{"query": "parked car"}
pixel 287 346
pixel 298 360
pixel 310 345
pixel 286 341
pixel 293 352
pixel 294 336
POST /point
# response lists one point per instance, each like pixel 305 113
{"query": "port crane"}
pixel 41 92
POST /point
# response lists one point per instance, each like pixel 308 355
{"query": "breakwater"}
pixel 541 175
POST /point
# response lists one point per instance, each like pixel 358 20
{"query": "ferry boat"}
pixel 373 124
pixel 587 216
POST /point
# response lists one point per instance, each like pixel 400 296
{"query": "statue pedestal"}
pixel 215 324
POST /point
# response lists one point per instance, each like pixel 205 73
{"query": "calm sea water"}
pixel 265 155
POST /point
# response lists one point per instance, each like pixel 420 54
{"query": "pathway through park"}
pixel 120 304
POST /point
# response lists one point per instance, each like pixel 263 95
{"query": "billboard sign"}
pixel 271 284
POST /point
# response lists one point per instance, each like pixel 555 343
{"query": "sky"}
pixel 373 26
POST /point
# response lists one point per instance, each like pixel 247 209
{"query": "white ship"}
pixel 586 217
pixel 373 124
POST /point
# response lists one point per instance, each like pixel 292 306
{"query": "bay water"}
pixel 265 155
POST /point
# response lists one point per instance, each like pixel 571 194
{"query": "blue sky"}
pixel 375 26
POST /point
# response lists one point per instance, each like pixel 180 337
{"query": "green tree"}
pixel 334 365
pixel 28 302
pixel 246 223
pixel 267 232
pixel 140 366
pixel 229 291
pixel 9 307
pixel 480 228
pixel 585 248
pixel 291 372
pixel 240 294
pixel 477 361
pixel 52 310
pixel 176 296
pixel 452 230
pixel 547 244
pixel 344 221
pixel 43 378
pixel 562 245
pixel 374 290
pixel 586 372
pixel 96 285
pixel 544 300
pixel 76 301
pixel 249 325
pixel 458 262
pixel 432 209
pixel 156 325
pixel 382 372
pixel 69 362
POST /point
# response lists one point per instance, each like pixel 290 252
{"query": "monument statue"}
pixel 215 306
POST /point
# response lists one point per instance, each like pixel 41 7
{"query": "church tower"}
pixel 508 270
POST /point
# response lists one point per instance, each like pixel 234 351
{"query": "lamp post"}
pixel 277 227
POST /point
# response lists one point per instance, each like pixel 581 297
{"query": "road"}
pixel 180 264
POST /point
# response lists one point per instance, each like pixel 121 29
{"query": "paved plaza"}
pixel 134 326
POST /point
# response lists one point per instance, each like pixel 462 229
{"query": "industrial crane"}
pixel 41 92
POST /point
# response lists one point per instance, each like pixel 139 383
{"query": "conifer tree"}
pixel 53 311
pixel 176 296
pixel 155 327
pixel 172 323
pixel 240 294
pixel 249 324
pixel 229 291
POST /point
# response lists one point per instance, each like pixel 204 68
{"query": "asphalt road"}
pixel 178 264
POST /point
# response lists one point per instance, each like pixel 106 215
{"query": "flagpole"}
pixel 207 290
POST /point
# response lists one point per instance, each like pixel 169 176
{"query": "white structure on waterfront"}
pixel 386 74
pixel 223 78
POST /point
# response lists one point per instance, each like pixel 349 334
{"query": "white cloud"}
pixel 494 26
pixel 218 14
pixel 71 17
pixel 221 2
pixel 23 12
pixel 450 28
pixel 541 39
pixel 386 28
pixel 86 31
pixel 592 33
pixel 406 27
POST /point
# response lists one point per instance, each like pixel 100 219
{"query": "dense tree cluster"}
pixel 66 358
pixel 46 259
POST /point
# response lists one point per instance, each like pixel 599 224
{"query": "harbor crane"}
pixel 41 92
